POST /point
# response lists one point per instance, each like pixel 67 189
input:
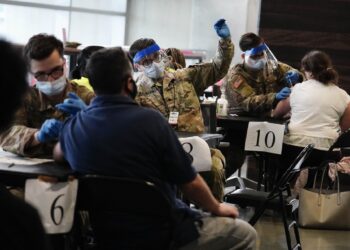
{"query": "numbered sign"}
pixel 55 203
pixel 264 137
pixel 199 151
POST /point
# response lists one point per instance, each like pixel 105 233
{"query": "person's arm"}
pixel 345 119
pixel 58 154
pixel 203 75
pixel 198 192
pixel 282 108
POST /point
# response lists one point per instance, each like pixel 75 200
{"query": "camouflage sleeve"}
pixel 244 97
pixel 203 75
pixel 284 68
pixel 83 92
pixel 18 138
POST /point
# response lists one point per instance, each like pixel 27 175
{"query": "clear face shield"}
pixel 152 61
pixel 261 57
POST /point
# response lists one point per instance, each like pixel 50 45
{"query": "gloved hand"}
pixel 71 105
pixel 283 94
pixel 222 29
pixel 291 77
pixel 49 130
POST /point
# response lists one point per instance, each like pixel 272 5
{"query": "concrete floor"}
pixel 271 237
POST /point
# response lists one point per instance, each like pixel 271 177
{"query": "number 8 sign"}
pixel 264 137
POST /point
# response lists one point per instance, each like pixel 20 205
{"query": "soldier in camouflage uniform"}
pixel 46 61
pixel 175 93
pixel 254 87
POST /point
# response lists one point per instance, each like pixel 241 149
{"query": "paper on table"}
pixel 10 158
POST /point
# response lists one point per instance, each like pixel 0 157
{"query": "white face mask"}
pixel 255 64
pixel 52 88
pixel 154 71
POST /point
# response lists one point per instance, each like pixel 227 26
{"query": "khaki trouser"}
pixel 223 233
pixel 216 177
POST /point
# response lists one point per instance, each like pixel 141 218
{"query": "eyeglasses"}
pixel 155 57
pixel 55 73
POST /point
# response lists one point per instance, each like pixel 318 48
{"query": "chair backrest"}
pixel 292 169
pixel 127 213
pixel 343 141
pixel 199 152
pixel 209 116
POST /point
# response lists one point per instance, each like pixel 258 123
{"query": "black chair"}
pixel 209 116
pixel 127 213
pixel 278 199
pixel 340 148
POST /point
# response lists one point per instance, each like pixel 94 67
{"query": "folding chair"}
pixel 127 213
pixel 276 199
pixel 209 116
pixel 339 148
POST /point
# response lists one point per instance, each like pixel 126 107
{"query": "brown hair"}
pixel 249 41
pixel 177 57
pixel 41 46
pixel 320 65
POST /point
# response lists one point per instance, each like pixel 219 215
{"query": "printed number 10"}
pixel 270 139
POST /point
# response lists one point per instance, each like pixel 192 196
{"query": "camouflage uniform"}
pixel 180 89
pixel 253 95
pixel 31 116
pixel 179 92
pixel 250 95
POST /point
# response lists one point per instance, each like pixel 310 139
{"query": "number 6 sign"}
pixel 55 203
pixel 264 137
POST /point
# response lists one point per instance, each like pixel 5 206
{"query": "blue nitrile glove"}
pixel 291 77
pixel 49 130
pixel 71 105
pixel 283 94
pixel 222 29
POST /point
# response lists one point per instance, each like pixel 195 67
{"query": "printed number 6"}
pixel 54 208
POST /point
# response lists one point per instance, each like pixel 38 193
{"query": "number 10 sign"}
pixel 264 137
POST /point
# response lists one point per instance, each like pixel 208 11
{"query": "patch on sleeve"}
pixel 237 83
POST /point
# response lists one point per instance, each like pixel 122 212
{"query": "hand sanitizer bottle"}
pixel 221 105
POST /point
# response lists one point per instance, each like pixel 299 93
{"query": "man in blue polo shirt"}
pixel 116 137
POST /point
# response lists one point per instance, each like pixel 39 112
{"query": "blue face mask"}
pixel 154 71
pixel 52 88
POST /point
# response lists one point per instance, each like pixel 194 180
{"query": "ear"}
pixel 129 86
pixel 242 55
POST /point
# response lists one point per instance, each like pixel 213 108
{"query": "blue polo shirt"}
pixel 116 137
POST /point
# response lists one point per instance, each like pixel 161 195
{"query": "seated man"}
pixel 253 88
pixel 116 137
pixel 33 131
pixel 175 93
pixel 20 226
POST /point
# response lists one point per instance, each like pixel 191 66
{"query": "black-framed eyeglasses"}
pixel 55 73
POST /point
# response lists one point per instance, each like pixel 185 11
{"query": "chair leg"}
pixel 285 223
pixel 296 231
pixel 287 227
pixel 257 214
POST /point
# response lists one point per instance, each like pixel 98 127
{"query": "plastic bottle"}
pixel 221 105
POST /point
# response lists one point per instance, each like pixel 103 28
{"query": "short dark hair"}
pixel 82 59
pixel 108 70
pixel 140 44
pixel 13 83
pixel 320 65
pixel 41 46
pixel 249 41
